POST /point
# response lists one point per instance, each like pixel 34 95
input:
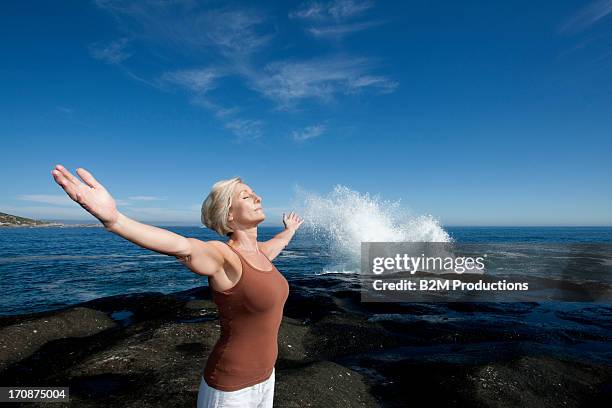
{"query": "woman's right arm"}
pixel 203 258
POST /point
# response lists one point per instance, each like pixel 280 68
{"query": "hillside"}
pixel 8 220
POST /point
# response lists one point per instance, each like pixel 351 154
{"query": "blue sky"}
pixel 477 112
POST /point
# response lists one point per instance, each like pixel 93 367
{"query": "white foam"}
pixel 346 218
pixel 327 272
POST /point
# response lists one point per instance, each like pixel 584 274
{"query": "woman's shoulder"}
pixel 224 249
pixel 209 257
pixel 209 244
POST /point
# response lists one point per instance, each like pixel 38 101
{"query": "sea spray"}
pixel 344 218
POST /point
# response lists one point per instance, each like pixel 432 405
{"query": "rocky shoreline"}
pixel 149 349
pixel 14 221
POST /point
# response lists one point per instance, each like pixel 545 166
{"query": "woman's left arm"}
pixel 274 246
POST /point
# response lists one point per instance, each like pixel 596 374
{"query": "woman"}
pixel 248 289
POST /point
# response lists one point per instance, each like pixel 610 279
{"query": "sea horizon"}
pixel 191 224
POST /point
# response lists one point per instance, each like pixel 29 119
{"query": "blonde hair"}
pixel 216 206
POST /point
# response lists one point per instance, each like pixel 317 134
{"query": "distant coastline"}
pixel 14 221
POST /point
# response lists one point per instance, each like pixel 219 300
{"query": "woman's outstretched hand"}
pixel 292 221
pixel 91 195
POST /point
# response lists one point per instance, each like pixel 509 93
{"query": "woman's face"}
pixel 246 210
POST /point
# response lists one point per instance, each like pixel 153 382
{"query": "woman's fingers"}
pixel 293 217
pixel 69 187
pixel 87 178
pixel 68 175
pixel 59 179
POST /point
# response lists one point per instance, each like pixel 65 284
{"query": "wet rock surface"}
pixel 149 350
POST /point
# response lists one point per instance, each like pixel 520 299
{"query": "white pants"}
pixel 259 395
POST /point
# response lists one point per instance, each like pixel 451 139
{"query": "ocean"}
pixel 47 268
pixel 43 269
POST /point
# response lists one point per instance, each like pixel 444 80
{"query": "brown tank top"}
pixel 250 315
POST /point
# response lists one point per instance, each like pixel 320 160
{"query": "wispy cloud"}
pixel 186 26
pixel 310 132
pixel 287 82
pixel 196 80
pixel 219 111
pixel 145 198
pixel 60 206
pixel 587 16
pixel 341 29
pixel 235 38
pixel 160 23
pixel 47 199
pixel 383 84
pixel 113 53
pixel 57 199
pixel 246 129
pixel 236 32
pixel 336 10
pixel 199 82
pixel 332 19
pixel 164 214
pixel 65 109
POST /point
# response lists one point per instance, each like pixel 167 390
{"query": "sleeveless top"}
pixel 250 315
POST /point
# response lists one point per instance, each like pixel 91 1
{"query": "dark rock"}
pixel 149 350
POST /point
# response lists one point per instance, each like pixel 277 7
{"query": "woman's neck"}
pixel 246 240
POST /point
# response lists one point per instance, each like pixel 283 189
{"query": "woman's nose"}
pixel 257 198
